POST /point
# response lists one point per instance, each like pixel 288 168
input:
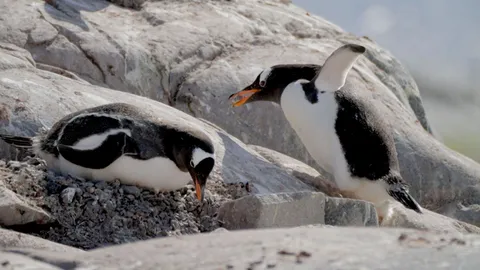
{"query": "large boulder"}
pixel 294 248
pixel 12 239
pixel 34 99
pixel 181 53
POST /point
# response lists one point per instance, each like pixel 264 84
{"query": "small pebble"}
pixel 101 184
pixel 14 165
pixel 68 194
pixel 93 214
pixel 133 190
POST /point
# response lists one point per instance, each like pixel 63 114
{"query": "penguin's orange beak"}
pixel 198 191
pixel 199 188
pixel 242 96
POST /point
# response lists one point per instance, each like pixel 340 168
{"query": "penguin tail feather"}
pixel 18 141
pixel 398 190
pixel 406 199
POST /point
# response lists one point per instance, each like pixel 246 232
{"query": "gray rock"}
pixel 300 170
pixel 179 53
pixel 316 226
pixel 469 214
pixel 220 230
pixel 68 194
pixel 340 248
pixel 348 212
pixel 10 260
pixel 135 4
pixel 273 210
pixel 11 239
pixel 193 66
pixel 14 57
pixel 40 90
pixel 133 190
pixel 16 211
pixel 62 95
pixel 406 218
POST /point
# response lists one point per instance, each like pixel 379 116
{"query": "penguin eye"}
pixel 191 163
pixel 262 83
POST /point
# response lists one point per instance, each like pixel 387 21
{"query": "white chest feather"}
pixel 156 173
pixel 315 125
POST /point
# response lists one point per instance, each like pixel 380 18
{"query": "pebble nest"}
pixel 91 214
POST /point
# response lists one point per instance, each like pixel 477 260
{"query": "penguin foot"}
pixel 380 219
pixel 384 212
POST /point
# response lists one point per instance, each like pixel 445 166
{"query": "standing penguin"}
pixel 341 130
pixel 119 141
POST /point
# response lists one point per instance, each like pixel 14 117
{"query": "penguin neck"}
pixel 174 148
pixel 181 146
pixel 178 153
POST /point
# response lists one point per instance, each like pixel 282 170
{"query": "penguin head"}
pixel 195 156
pixel 270 83
pixel 200 165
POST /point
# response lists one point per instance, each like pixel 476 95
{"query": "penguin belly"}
pixel 159 173
pixel 315 126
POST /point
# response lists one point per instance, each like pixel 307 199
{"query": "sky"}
pixel 438 37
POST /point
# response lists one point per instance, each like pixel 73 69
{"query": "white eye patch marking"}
pixel 198 155
pixel 264 76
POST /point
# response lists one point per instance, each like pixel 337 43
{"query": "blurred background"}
pixel 438 42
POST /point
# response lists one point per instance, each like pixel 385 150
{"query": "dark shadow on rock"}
pixel 69 10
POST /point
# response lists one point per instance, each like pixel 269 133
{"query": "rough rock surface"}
pixel 359 213
pixel 406 218
pixel 273 210
pixel 294 248
pixel 27 93
pixel 90 214
pixel 135 4
pixel 15 210
pixel 56 57
pixel 33 99
pixel 178 52
pixel 300 170
pixel 348 212
pixel 12 239
pixel 11 261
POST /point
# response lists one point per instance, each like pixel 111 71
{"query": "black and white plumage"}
pixel 341 130
pixel 120 141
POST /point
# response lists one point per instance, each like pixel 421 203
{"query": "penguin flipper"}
pixel 130 147
pixel 101 157
pixel 92 158
pixel 18 141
